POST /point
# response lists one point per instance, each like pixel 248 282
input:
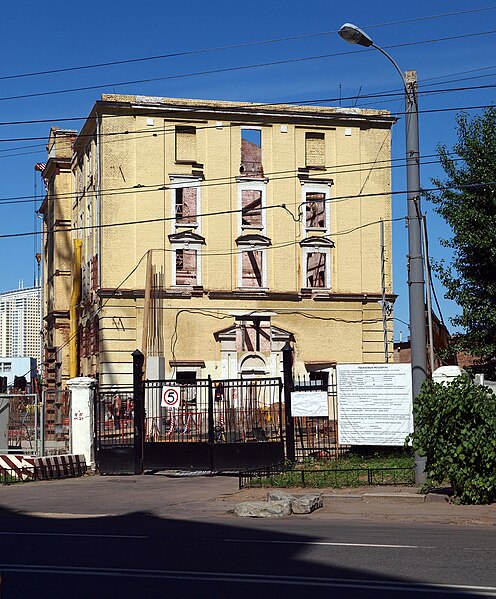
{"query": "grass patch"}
pixel 353 470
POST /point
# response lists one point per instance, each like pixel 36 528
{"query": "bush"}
pixel 455 428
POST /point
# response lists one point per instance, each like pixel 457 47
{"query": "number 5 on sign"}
pixel 170 397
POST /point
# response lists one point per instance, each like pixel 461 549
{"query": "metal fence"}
pixel 316 436
pixel 23 423
pixel 280 476
pixel 241 411
pixel 55 421
pixel 114 423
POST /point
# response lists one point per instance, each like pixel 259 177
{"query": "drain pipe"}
pixel 76 291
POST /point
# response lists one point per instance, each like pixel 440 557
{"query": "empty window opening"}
pixel 316 269
pixel 185 144
pixel 186 270
pixel 314 149
pixel 253 336
pixel 319 378
pixel 186 204
pixel 252 269
pixel 251 205
pixel 251 152
pixel 315 211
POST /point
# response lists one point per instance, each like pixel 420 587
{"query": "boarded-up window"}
pixel 316 269
pixel 186 272
pixel 315 210
pixel 251 152
pixel 186 144
pixel 252 269
pixel 95 336
pixel 186 204
pixel 94 272
pixel 314 149
pixel 251 203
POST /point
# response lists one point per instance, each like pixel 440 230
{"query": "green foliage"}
pixel 469 208
pixel 455 428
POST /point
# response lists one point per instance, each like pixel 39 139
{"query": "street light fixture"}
pixel 354 35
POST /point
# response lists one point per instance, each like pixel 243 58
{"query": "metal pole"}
pixel 42 424
pixel 139 410
pixel 415 265
pixel 287 363
pixel 428 293
pixel 383 293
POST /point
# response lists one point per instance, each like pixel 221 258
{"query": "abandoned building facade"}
pixel 207 234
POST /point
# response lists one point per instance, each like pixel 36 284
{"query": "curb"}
pixel 387 497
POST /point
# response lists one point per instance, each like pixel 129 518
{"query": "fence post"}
pixel 139 410
pixel 287 363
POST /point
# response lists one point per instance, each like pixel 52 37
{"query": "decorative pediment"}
pixel 253 239
pixel 186 237
pixel 322 242
pixel 229 334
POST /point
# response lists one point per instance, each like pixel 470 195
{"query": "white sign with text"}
pixel 374 403
pixel 309 403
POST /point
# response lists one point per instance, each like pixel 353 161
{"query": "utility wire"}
pixel 398 91
pixel 231 180
pixel 239 67
pixel 235 211
pixel 340 112
pixel 232 46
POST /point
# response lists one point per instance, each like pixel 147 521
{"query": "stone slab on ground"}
pixel 306 504
pixel 280 496
pixel 263 509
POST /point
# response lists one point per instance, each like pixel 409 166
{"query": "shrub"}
pixel 455 428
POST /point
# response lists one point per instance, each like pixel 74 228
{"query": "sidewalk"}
pixel 202 497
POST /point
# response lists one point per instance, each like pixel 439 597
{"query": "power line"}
pixel 341 112
pixel 238 68
pixel 230 180
pixel 232 46
pixel 237 211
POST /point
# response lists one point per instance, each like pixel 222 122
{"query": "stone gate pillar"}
pixel 82 416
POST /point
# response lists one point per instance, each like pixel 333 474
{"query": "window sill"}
pixel 191 162
pixel 181 225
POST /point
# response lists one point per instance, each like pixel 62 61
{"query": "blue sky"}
pixel 55 35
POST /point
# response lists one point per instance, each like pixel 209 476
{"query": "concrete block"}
pixel 306 504
pixel 394 497
pixel 279 496
pixel 263 509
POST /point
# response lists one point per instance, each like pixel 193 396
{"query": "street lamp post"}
pixel 354 35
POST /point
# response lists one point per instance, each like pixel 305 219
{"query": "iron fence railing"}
pixel 230 411
pixel 9 476
pixel 282 476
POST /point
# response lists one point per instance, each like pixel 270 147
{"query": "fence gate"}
pixel 23 434
pixel 116 420
pixel 191 425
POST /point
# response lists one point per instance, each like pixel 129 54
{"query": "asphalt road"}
pixel 143 555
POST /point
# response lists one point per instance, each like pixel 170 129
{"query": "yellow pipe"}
pixel 76 291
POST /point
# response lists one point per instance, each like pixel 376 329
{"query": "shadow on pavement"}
pixel 141 555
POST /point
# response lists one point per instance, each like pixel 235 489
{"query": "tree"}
pixel 467 202
pixel 455 428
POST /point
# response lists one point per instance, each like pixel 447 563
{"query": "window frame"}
pixel 252 185
pixel 252 248
pixel 191 247
pixel 316 249
pixel 322 188
pixel 182 182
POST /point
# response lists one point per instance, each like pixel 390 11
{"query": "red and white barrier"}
pixel 44 468
pixel 18 466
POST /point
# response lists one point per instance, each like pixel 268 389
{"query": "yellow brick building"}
pixel 225 229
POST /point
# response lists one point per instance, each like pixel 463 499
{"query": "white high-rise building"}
pixel 20 323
